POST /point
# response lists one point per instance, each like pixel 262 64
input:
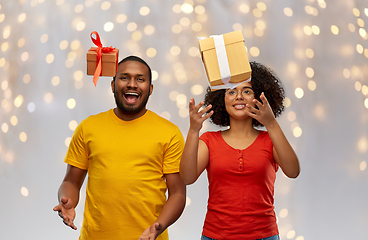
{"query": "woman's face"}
pixel 237 98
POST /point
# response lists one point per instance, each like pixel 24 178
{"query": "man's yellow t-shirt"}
pixel 126 163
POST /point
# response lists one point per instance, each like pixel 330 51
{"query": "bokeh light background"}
pixel 318 48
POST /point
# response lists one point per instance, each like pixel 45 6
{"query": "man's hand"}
pixel 152 232
pixel 66 212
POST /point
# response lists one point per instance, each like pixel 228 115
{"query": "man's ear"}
pixel 151 89
pixel 113 85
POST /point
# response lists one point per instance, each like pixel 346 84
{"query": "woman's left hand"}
pixel 284 154
pixel 264 113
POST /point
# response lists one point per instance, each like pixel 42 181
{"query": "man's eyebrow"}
pixel 139 75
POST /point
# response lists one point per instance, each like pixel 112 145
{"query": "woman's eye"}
pixel 232 92
pixel 248 92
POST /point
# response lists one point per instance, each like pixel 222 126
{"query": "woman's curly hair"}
pixel 263 80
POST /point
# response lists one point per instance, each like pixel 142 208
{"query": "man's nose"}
pixel 132 83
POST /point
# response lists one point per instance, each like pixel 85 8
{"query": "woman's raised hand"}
pixel 197 115
pixel 264 112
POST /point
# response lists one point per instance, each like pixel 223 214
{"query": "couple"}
pixel 132 156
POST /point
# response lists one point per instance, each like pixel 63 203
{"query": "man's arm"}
pixel 172 209
pixel 68 194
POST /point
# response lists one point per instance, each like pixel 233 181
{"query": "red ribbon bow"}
pixel 99 51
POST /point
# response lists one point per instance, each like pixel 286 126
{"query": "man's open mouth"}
pixel 131 97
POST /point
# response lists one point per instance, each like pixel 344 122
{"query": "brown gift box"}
pixel 236 55
pixel 109 62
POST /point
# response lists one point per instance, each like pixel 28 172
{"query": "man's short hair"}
pixel 137 59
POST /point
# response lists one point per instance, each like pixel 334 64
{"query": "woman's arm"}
pixel 195 155
pixel 284 154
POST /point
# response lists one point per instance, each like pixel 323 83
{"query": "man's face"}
pixel 131 89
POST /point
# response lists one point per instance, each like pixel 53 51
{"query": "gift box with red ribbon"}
pixel 101 61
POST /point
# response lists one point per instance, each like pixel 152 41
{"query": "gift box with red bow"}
pixel 101 61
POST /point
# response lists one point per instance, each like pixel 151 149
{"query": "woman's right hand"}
pixel 195 154
pixel 197 115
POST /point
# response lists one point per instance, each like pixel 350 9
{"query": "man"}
pixel 132 156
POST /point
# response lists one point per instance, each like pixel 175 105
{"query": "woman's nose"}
pixel 239 95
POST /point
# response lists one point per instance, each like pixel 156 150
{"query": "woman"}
pixel 241 162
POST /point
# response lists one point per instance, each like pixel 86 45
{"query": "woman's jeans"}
pixel 276 237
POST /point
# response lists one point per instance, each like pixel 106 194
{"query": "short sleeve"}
pixel 173 152
pixel 205 138
pixel 77 154
pixel 270 146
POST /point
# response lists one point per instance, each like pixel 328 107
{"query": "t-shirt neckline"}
pixel 236 149
pixel 120 121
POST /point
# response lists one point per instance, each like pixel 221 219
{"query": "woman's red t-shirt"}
pixel 241 188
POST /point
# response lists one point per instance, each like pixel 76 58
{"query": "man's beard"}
pixel 130 110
